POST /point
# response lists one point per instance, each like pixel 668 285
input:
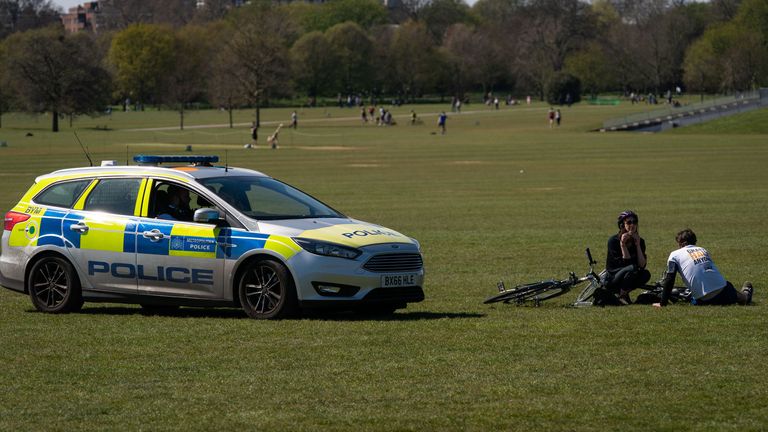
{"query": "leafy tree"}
pixel 22 15
pixel 51 72
pixel 354 49
pixel 412 59
pixel 314 64
pixel 702 68
pixel 142 56
pixel 320 17
pixel 733 55
pixel 592 67
pixel 563 88
pixel 441 14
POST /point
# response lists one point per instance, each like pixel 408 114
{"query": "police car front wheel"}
pixel 267 291
pixel 53 286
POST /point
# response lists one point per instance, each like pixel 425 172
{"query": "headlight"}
pixel 327 249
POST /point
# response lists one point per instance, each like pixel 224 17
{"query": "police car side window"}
pixel 175 202
pixel 116 196
pixel 62 194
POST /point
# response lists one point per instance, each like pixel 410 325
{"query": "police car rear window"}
pixel 117 196
pixel 62 194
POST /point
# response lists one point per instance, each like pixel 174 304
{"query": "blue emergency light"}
pixel 157 160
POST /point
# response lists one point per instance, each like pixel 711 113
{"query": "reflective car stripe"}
pixel 140 198
pixel 145 198
pixel 105 234
pixel 81 201
pixel 193 241
pixel 282 245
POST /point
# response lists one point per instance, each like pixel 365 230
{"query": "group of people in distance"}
pixel 626 261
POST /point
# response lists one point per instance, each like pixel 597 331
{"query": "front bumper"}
pixel 316 277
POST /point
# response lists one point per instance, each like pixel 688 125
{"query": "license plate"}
pixel 398 280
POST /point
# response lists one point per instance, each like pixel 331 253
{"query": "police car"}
pixel 178 231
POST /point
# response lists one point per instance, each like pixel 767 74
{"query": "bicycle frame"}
pixel 543 290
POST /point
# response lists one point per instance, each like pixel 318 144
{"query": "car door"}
pixel 177 258
pixel 100 232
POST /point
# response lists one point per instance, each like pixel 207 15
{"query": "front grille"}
pixel 394 263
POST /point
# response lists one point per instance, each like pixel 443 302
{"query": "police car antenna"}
pixel 226 160
pixel 85 149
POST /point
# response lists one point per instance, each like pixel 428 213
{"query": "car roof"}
pixel 182 172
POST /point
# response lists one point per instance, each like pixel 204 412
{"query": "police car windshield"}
pixel 264 198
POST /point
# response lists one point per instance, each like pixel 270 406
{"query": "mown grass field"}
pixel 500 196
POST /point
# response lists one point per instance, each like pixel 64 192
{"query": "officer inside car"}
pixel 177 207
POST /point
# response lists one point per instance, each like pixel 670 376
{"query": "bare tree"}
pixel 119 14
pixel 260 35
pixel 51 72
pixel 22 15
pixel 186 81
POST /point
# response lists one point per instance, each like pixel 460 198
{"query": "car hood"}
pixel 347 232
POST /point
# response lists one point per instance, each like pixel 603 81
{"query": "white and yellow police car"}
pixel 178 231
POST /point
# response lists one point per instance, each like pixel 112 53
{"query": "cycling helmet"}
pixel 625 214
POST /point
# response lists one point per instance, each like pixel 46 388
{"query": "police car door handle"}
pixel 154 235
pixel 226 245
pixel 80 227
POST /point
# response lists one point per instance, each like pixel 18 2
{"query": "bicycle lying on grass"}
pixel 594 293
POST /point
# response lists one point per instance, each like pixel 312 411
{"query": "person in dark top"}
pixel 178 205
pixel 626 259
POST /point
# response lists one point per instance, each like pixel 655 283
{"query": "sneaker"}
pixel 747 290
pixel 624 299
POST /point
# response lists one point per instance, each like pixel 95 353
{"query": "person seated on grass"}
pixel 626 259
pixel 700 275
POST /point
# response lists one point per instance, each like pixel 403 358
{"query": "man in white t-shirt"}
pixel 701 276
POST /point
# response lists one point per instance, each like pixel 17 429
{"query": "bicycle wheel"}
pixel 588 292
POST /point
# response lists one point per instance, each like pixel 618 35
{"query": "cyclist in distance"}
pixel 700 275
pixel 626 259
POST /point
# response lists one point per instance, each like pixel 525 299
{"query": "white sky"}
pixel 66 4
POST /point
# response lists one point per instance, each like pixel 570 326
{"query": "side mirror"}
pixel 207 216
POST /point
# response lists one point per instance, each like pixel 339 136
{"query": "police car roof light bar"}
pixel 157 160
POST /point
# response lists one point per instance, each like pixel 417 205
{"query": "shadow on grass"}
pixel 191 312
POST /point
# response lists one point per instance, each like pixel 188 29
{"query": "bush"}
pixel 560 86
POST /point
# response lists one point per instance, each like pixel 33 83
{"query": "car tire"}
pixel 267 291
pixel 54 287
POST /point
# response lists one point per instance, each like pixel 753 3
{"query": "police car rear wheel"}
pixel 266 291
pixel 54 286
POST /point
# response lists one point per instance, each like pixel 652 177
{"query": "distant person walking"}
pixel 441 120
pixel 294 120
pixel 254 134
pixel 551 117
pixel 558 116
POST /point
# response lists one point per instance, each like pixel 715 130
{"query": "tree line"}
pixel 169 53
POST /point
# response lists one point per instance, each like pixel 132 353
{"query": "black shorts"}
pixel 726 296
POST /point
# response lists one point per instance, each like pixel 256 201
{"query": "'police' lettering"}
pixel 171 270
pixel 365 233
pixel 170 274
pixel 97 267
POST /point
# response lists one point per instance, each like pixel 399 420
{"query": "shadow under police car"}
pixel 192 312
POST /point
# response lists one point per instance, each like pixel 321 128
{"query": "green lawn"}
pixel 499 196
